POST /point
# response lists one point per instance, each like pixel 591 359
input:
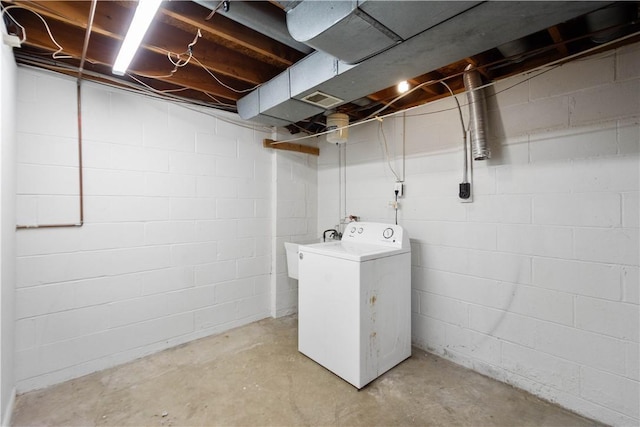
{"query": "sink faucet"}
pixel 333 234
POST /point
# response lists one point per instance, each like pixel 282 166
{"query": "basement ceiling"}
pixel 215 53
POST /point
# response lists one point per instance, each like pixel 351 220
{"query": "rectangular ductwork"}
pixel 432 35
pixel 355 30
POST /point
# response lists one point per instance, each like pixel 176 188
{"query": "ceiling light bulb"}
pixel 403 86
pixel 142 18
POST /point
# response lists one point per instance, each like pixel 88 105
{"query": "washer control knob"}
pixel 387 233
pixel 353 229
pixel 360 230
pixel 300 255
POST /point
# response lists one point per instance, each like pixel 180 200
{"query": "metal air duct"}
pixel 477 113
pixel 259 17
pixel 434 34
pixel 353 31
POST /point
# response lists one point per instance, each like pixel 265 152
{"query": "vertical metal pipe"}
pixel 80 166
pixel 85 47
pixel 477 113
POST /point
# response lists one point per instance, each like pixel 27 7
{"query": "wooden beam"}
pixel 219 59
pixel 556 35
pixel 112 19
pixel 427 88
pixel 222 29
pixel 476 64
pixel 288 146
pixel 145 63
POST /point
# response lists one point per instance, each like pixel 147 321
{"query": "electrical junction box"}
pixel 11 40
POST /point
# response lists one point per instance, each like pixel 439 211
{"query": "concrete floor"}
pixel 255 376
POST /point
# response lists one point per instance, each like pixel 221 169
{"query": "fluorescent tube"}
pixel 145 11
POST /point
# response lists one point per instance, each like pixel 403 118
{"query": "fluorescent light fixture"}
pixel 403 86
pixel 145 11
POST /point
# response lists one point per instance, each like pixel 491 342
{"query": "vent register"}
pixel 322 99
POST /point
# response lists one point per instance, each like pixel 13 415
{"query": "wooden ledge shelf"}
pixel 288 146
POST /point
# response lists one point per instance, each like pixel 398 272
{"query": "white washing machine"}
pixel 354 301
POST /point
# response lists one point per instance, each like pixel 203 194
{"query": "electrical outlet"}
pixel 464 193
pixel 399 187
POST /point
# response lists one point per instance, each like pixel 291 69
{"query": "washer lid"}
pixel 352 251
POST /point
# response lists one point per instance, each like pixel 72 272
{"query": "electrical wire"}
pixel 56 54
pixel 371 119
pixel 396 207
pixel 464 136
pixel 213 12
pixel 22 29
pixel 168 91
pixel 221 82
pixel 542 68
pixel 404 146
pixel 179 62
pixel 386 149
pixel 190 104
pixel 399 97
pixel 218 101
pixel 339 187
pixel 165 91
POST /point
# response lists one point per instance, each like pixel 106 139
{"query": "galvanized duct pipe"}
pixel 477 114
pixel 261 18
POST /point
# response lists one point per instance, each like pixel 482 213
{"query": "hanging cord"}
pixel 388 157
pixel 396 207
pixel 464 135
pixel 404 146
pixel 179 62
pixel 397 98
pixel 56 54
pixel 339 185
pixel 344 172
pixel 386 148
pixel 213 12
pixel 222 83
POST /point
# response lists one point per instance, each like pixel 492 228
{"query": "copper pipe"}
pixel 87 35
pixel 85 47
pixel 80 167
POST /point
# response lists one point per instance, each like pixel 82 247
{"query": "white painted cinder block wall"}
pixel 295 203
pixel 536 282
pixel 8 99
pixel 177 238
